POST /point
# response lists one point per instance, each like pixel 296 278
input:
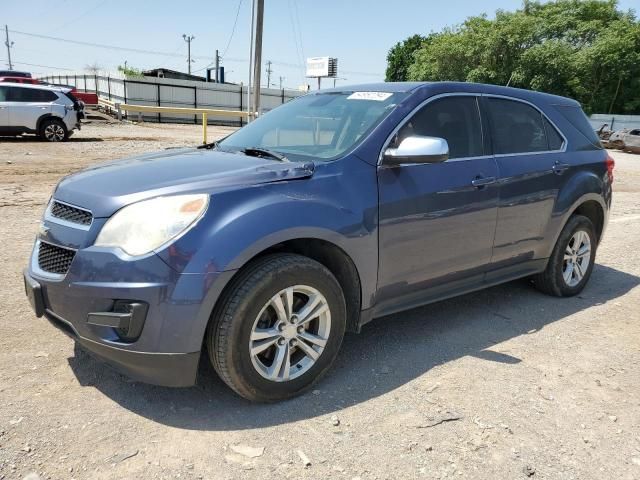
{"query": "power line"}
pixel 41 66
pixel 169 54
pixel 295 7
pixel 299 56
pixel 101 45
pixel 82 15
pixel 233 30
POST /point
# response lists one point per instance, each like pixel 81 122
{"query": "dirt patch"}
pixel 503 383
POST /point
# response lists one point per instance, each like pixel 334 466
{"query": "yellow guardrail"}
pixel 205 112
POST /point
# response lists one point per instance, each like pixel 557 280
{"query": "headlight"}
pixel 144 226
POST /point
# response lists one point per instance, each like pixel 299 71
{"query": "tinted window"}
pixel 553 137
pixel 30 95
pixel 456 119
pixel 579 120
pixel 516 127
pixel 3 93
pixel 13 73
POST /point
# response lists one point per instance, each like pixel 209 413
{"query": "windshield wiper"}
pixel 209 146
pixel 263 152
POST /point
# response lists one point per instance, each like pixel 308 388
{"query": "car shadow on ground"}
pixel 389 352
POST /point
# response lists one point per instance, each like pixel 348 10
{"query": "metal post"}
pixel 253 22
pixel 9 45
pixel 188 39
pixel 158 102
pixel 217 66
pixel 109 86
pixel 269 71
pixel 195 103
pixel 319 78
pixel 257 61
pixel 241 106
pixel 204 127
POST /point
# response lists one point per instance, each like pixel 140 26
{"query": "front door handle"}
pixel 560 168
pixel 480 182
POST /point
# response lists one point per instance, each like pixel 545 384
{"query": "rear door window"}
pixel 3 94
pixel 29 95
pixel 455 118
pixel 516 127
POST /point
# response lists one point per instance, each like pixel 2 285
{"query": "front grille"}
pixel 71 214
pixel 54 259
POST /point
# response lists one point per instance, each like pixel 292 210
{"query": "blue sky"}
pixel 358 32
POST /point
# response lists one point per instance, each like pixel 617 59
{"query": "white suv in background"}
pixel 50 112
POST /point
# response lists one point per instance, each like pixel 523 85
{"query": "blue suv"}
pixel 262 249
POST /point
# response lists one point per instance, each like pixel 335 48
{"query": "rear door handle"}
pixel 559 168
pixel 480 182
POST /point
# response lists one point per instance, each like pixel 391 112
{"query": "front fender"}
pixel 330 206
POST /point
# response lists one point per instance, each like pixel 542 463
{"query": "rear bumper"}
pixel 164 369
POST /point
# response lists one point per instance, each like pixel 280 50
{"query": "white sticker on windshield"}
pixel 377 96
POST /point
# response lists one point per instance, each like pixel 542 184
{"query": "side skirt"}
pixel 453 289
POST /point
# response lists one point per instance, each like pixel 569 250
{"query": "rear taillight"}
pixel 610 163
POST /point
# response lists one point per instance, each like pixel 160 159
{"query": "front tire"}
pixel 53 130
pixel 571 261
pixel 278 329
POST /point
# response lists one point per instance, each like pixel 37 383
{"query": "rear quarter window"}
pixel 554 138
pixel 576 117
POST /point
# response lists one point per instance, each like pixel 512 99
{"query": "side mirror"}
pixel 417 149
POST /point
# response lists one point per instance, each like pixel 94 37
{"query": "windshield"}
pixel 323 126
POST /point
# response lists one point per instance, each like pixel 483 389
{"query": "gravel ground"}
pixel 504 383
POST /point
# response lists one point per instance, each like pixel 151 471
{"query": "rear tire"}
pixel 53 130
pixel 571 261
pixel 278 328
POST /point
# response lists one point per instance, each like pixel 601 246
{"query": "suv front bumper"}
pixel 167 350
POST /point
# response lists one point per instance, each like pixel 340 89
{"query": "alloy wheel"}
pixel 54 132
pixel 290 333
pixel 577 257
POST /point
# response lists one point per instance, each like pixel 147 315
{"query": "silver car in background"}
pixel 52 113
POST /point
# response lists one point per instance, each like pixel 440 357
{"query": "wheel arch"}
pixel 594 211
pixel 42 118
pixel 325 252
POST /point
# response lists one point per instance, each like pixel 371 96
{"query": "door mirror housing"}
pixel 417 149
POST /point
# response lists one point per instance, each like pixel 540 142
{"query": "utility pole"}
pixel 9 45
pixel 257 60
pixel 217 66
pixel 269 72
pixel 188 39
pixel 281 79
pixel 251 32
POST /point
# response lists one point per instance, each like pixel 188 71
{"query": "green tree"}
pixel 585 49
pixel 400 57
pixel 129 71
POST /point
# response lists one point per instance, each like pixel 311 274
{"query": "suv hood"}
pixel 106 188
